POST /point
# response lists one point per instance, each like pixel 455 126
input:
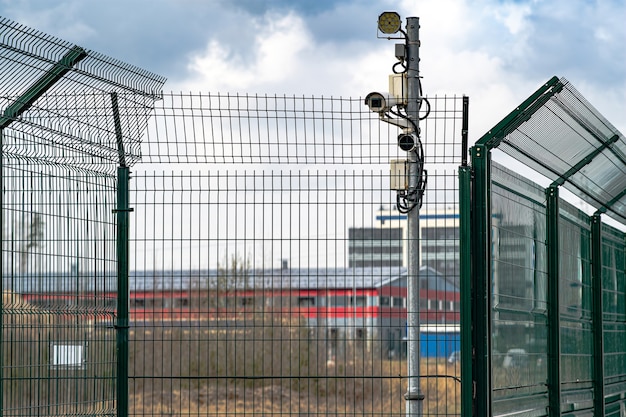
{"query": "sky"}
pixel 496 52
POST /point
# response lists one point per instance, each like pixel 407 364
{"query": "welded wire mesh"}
pixel 261 129
pixel 60 101
pixel 564 131
pixel 520 321
pixel 68 117
pixel 520 300
pixel 58 286
pixel 545 274
pixel 78 130
pixel 268 265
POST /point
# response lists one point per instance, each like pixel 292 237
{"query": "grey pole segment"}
pixel 414 396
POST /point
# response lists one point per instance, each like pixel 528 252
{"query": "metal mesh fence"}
pixel 520 300
pixel 545 277
pixel 68 117
pixel 268 265
pixel 58 299
pixel 520 325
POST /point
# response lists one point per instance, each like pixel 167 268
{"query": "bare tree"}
pixel 232 277
pixel 33 239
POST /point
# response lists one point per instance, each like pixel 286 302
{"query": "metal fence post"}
pixel 481 280
pixel 2 273
pixel 465 255
pixel 554 312
pixel 598 314
pixel 467 387
pixel 123 210
pixel 122 322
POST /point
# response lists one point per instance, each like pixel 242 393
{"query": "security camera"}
pixel 407 141
pixel 380 102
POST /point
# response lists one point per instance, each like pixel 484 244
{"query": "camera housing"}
pixel 407 141
pixel 380 102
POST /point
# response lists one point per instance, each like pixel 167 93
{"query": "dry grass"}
pixel 273 368
pixel 269 367
pixel 32 383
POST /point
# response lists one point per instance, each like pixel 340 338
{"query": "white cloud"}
pixel 486 49
pixel 275 56
pixel 59 19
pixel 513 16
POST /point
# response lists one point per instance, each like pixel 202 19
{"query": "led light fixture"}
pixel 389 22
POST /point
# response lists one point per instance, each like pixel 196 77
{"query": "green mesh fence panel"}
pixel 58 291
pixel 575 303
pixel 545 278
pixel 613 295
pixel 268 263
pixel 519 314
pixel 68 117
pixel 519 294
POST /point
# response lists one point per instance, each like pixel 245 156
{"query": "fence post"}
pixel 467 386
pixel 2 273
pixel 465 260
pixel 598 313
pixel 554 313
pixel 122 211
pixel 481 280
pixel 122 322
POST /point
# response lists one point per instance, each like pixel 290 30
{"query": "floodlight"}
pixel 389 22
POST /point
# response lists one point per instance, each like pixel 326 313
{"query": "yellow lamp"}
pixel 389 22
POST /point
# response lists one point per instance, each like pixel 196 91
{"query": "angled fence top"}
pixel 76 107
pixel 563 137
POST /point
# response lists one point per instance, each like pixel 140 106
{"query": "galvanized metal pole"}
pixel 414 396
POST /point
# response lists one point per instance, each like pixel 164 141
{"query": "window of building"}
pixel 397 302
pixel 247 301
pixel 339 301
pixel 181 302
pixel 306 301
pixel 361 301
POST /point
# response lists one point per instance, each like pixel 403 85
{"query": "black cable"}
pixel 404 68
pixel 407 201
pixel 424 99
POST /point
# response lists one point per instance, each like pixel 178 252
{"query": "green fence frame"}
pixel 584 260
